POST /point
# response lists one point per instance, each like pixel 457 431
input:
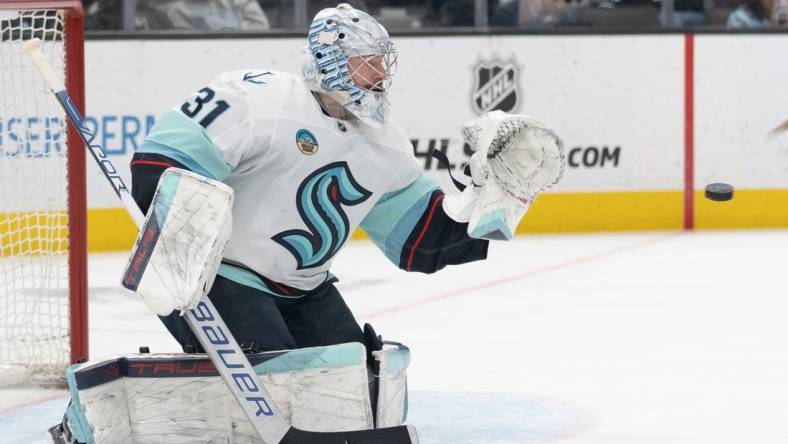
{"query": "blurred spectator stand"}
pixel 759 14
pixel 404 15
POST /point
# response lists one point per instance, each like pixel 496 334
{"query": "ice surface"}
pixel 615 338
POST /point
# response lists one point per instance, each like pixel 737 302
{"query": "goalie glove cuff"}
pixel 458 205
pixel 488 211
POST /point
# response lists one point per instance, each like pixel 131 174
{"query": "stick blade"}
pixel 404 434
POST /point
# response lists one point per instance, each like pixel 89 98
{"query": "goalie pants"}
pixel 263 322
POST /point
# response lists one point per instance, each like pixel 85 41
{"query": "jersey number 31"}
pixel 193 107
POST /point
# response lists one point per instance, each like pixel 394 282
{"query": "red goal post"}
pixel 43 237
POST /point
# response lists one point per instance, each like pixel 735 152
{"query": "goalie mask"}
pixel 352 59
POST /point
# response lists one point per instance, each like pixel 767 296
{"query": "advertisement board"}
pixel 618 101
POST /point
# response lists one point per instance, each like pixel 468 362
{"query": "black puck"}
pixel 719 192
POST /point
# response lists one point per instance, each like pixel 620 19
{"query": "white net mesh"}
pixel 34 297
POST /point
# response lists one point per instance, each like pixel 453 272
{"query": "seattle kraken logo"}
pixel 319 200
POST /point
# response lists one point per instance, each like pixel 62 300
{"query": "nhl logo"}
pixel 306 142
pixel 496 86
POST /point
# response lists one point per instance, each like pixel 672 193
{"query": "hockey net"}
pixel 43 316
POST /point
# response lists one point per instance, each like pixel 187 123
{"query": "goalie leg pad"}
pixel 392 402
pixel 180 398
pixel 179 248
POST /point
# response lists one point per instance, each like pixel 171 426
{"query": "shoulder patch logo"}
pixel 306 142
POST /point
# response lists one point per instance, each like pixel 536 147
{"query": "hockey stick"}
pixel 206 323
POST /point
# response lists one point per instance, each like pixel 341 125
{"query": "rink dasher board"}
pixel 618 101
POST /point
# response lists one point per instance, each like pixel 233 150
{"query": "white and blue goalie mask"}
pixel 352 59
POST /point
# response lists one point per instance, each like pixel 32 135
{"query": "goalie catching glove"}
pixel 180 247
pixel 515 157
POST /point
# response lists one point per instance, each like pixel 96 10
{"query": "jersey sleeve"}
pixel 410 227
pixel 210 133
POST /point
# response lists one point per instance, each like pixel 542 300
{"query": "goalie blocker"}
pixel 180 247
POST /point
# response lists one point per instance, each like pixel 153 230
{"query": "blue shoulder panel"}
pixel 392 219
pixel 180 138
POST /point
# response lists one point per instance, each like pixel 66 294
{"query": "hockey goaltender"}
pixel 251 186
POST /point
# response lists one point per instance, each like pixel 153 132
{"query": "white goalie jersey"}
pixel 303 180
